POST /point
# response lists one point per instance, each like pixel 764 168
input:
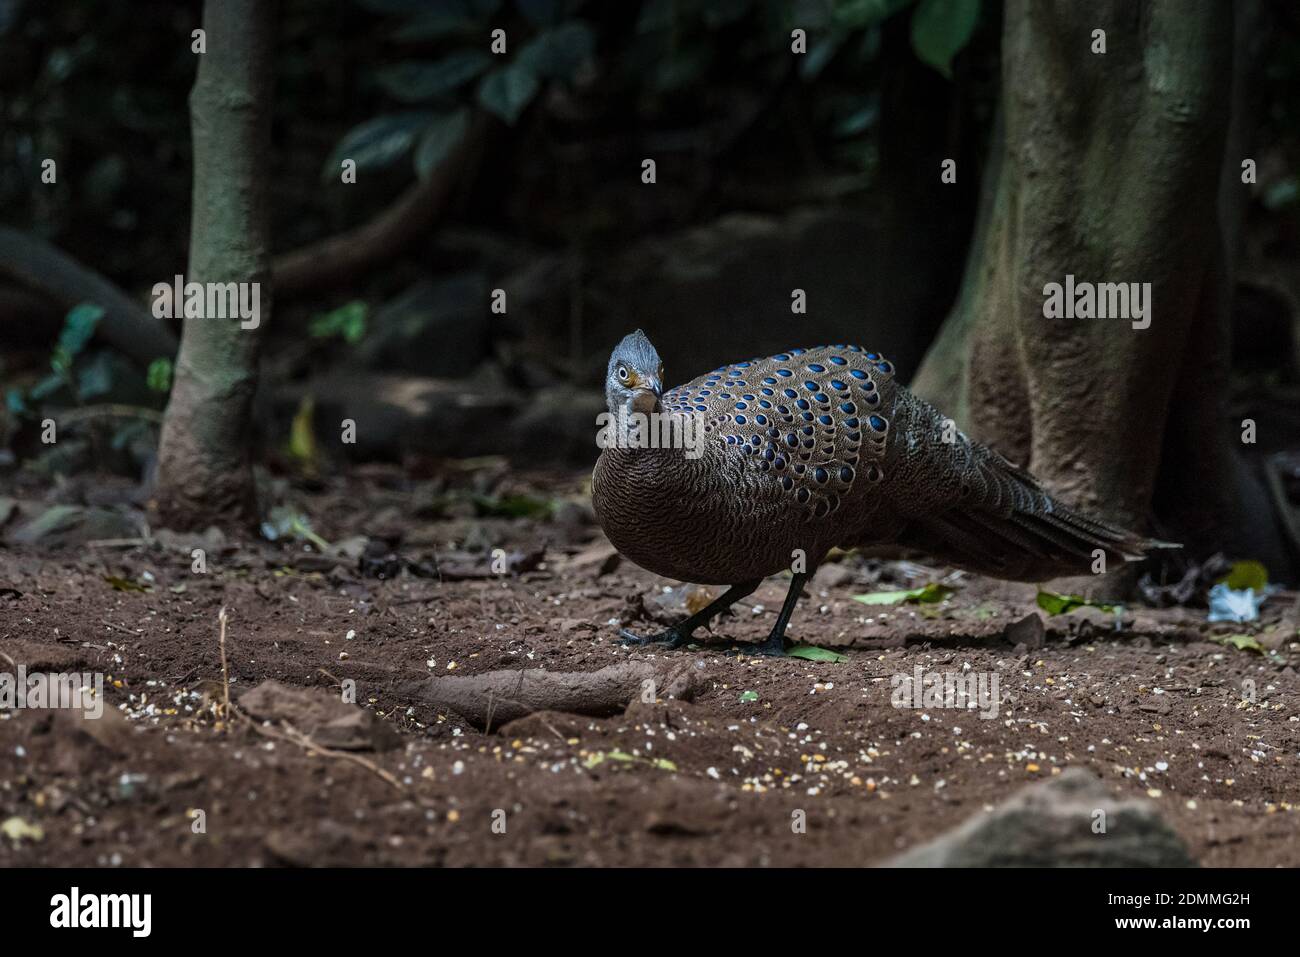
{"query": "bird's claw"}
pixel 772 647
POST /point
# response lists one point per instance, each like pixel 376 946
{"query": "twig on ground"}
pixel 293 736
pixel 225 671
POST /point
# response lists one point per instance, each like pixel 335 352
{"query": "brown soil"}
pixel 1156 709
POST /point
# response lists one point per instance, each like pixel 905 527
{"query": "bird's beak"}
pixel 644 400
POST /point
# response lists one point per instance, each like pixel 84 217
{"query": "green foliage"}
pixel 813 653
pixel 506 84
pixel 1240 642
pixel 507 91
pixel 440 138
pixel 285 523
pixel 856 14
pixel 380 142
pixel 415 81
pixel 159 376
pixel 1056 604
pixel 347 322
pixel 1246 574
pixel 557 53
pixel 514 506
pixel 78 327
pixel 941 29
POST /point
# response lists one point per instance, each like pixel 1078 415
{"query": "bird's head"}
pixel 635 378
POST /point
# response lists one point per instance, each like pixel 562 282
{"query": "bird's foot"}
pixel 671 637
pixel 771 647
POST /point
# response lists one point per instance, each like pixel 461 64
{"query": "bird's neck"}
pixel 657 432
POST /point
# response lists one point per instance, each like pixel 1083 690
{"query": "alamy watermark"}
pixel 1102 300
pixel 947 689
pixel 76 691
pixel 209 300
pixel 651 430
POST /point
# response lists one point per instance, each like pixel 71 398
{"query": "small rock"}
pixel 321 715
pixel 1028 631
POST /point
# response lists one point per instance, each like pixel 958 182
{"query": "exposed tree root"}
pixel 45 269
pixel 496 697
pixel 337 259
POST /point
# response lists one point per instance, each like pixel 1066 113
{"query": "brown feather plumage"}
pixel 821 447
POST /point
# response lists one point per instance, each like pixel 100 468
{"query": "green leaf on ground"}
pixel 513 506
pixel 748 696
pixel 284 522
pixel 600 757
pixel 124 584
pixel 1246 574
pixel 1240 642
pixel 813 653
pixel 1055 604
pixel 925 594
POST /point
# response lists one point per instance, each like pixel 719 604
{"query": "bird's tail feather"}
pixel 1016 530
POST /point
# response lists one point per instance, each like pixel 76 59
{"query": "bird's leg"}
pixel 680 633
pixel 775 643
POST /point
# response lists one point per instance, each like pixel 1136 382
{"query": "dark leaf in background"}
pixel 412 6
pixel 541 12
pixel 442 136
pixel 820 53
pixel 413 81
pixel 719 13
pixel 78 327
pixel 379 142
pixel 95 376
pixel 656 15
pixel 941 29
pixel 557 53
pixel 866 13
pixel 507 91
pixel 9 11
pixel 433 26
pixel 859 119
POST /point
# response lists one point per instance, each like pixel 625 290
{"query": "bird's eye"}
pixel 622 373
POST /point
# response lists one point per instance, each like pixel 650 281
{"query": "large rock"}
pixel 1052 824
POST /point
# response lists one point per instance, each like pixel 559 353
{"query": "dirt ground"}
pixel 1156 709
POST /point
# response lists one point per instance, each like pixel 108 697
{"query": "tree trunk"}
pixel 204 476
pixel 1107 168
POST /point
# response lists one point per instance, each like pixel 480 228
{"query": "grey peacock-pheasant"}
pixel 811 449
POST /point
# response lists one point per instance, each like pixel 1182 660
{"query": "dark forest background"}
pixel 523 173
